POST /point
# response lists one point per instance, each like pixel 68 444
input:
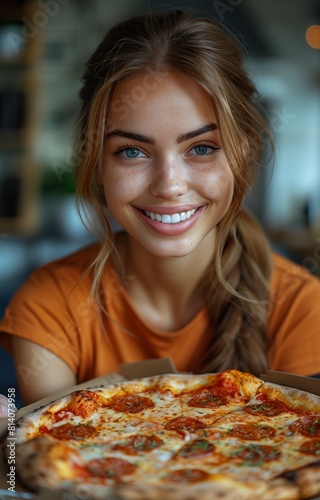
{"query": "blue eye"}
pixel 131 152
pixel 201 150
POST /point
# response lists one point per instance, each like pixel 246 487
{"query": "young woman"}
pixel 169 145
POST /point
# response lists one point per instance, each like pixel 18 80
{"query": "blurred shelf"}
pixel 19 89
pixel 18 225
pixel 14 140
pixel 300 244
pixel 14 10
pixel 298 239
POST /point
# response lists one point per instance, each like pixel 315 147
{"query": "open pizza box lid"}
pixel 128 371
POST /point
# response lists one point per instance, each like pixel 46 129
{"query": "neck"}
pixel 167 287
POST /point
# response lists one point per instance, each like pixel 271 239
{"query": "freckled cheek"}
pixel 122 188
pixel 219 186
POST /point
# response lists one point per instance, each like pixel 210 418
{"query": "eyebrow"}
pixel 149 140
pixel 199 131
pixel 129 135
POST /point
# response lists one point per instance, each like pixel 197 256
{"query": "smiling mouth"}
pixel 170 219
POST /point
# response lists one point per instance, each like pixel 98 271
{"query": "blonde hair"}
pixel 236 288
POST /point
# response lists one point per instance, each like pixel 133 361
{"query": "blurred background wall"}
pixel 43 47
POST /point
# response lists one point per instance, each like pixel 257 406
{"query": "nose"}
pixel 169 178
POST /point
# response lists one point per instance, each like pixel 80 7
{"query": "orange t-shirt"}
pixel 52 309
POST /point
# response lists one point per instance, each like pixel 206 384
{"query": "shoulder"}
pixel 292 283
pixel 284 269
pixel 294 318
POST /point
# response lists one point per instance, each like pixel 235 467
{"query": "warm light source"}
pixel 313 36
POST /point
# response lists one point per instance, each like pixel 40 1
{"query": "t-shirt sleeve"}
pixel 294 321
pixel 39 311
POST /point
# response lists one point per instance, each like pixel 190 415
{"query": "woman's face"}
pixel 166 178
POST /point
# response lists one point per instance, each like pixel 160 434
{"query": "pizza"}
pixel 227 436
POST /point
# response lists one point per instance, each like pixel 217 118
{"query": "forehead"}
pixel 160 96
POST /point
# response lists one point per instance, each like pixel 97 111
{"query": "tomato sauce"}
pixel 82 404
pixel 227 386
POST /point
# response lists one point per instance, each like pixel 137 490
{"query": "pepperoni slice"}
pixel 184 423
pixel 139 443
pixel 267 407
pixel 252 431
pixel 69 431
pixel 309 425
pixel 207 399
pixel 186 476
pixel 257 454
pixel 220 393
pixel 110 467
pixel 311 447
pixel 132 403
pixel 196 448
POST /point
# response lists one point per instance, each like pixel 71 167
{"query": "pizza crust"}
pixel 222 490
pixel 294 398
pixel 308 480
pixel 43 463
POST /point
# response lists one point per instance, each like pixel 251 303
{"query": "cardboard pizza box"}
pixel 307 384
pixel 128 371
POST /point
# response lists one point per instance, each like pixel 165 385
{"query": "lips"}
pixel 170 218
pixel 168 221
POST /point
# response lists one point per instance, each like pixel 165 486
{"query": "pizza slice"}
pixel 218 395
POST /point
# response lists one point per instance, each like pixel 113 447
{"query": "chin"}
pixel 172 250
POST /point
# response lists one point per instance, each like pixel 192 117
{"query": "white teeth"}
pixel 175 218
pixel 171 219
pixel 166 219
